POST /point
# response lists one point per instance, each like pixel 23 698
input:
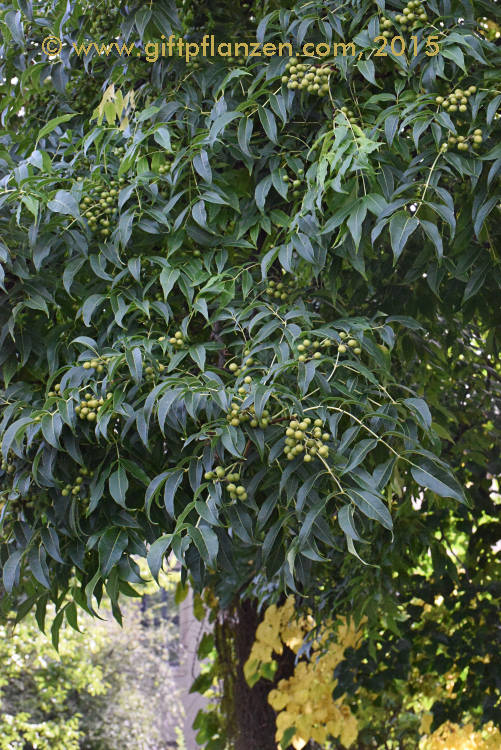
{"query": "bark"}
pixel 251 720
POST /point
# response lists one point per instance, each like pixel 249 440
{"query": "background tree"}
pixel 250 308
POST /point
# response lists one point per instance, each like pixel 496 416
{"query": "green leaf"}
pixel 431 231
pixel 118 485
pixel 268 122
pixel 55 628
pixel 135 363
pixel 171 485
pixel 168 278
pixel 38 565
pixel 420 408
pixel 14 432
pixel 220 123
pixel 202 166
pixel 11 569
pixel 156 554
pixel 111 547
pixel 356 220
pixel 162 137
pixel 64 203
pixel 345 519
pixel 206 542
pixel 358 453
pixel 197 353
pixel 371 506
pixel 437 479
pixel 402 225
pixel 52 125
pixel 261 396
pixel 368 70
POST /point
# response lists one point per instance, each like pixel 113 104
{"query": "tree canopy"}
pixel 250 307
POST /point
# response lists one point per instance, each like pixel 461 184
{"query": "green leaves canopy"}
pixel 151 271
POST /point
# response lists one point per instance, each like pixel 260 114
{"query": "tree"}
pixel 250 301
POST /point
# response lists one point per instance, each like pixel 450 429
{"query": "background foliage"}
pixel 107 687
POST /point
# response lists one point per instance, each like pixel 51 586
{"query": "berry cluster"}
pixel 7 465
pixel 463 143
pixel 412 17
pixel 87 408
pixel 177 341
pixel 280 290
pixel 295 182
pixel 96 364
pixel 100 205
pixel 310 349
pixel 457 101
pixel 78 488
pixel 240 60
pixel 237 492
pixel 238 416
pixel 239 369
pixel 352 343
pixel 164 169
pixel 102 18
pixel 56 391
pixel 306 438
pixel 150 371
pixel 349 114
pixel 307 77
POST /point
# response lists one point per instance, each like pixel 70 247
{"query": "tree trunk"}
pixel 250 718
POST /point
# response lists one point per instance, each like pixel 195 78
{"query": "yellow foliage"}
pixel 451 736
pixel 304 700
